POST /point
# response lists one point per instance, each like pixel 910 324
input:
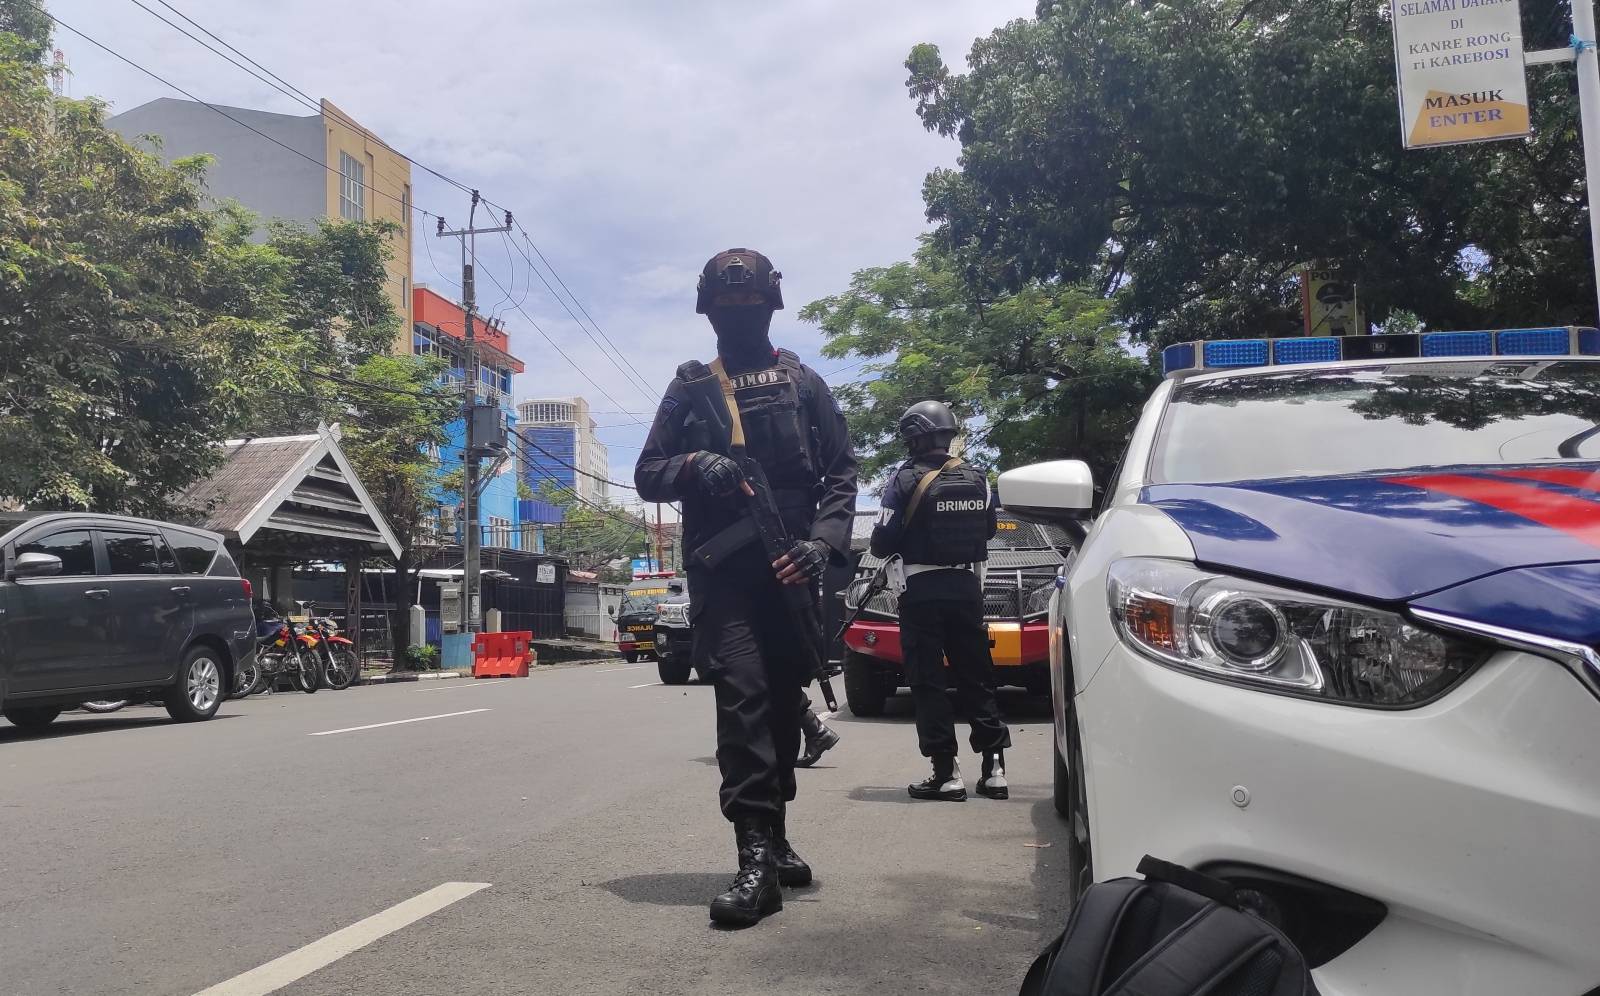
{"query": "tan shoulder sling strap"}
pixel 924 484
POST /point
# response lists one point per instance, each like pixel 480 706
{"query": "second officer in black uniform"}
pixel 744 638
pixel 938 516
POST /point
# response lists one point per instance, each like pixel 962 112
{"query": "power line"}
pixel 578 470
pixel 213 107
pixel 308 98
pixel 563 353
pixel 631 373
pixel 283 86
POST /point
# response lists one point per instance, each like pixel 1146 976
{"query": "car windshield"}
pixel 638 602
pixel 1296 423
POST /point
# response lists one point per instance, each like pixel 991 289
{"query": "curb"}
pixel 407 676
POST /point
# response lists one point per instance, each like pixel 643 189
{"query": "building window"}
pixel 405 208
pixel 352 188
pixel 505 381
pixel 422 342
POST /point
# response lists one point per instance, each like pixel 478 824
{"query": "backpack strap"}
pixel 1079 962
pixel 1214 889
pixel 1209 947
pixel 924 484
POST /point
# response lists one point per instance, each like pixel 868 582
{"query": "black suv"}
pixel 105 606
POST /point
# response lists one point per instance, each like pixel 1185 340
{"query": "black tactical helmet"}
pixel 927 418
pixel 738 270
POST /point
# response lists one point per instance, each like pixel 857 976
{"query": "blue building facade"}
pixel 439 330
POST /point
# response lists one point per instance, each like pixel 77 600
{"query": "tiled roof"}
pixel 251 471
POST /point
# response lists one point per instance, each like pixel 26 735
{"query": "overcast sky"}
pixel 633 140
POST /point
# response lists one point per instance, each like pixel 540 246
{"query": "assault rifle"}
pixel 880 581
pixel 713 401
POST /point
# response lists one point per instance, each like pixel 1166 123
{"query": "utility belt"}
pixel 742 532
pixel 901 572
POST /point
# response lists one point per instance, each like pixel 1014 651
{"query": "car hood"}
pixel 1400 535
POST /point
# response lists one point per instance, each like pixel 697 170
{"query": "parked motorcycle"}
pixel 289 650
pixel 337 654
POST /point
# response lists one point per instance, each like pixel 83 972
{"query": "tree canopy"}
pixel 1035 373
pixel 1188 157
pixel 1139 173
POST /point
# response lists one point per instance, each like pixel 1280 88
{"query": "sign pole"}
pixel 1588 64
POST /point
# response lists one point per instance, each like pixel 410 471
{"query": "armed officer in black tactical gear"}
pixel 938 516
pixel 744 637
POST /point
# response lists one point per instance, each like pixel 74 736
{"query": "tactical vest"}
pixel 775 406
pixel 952 524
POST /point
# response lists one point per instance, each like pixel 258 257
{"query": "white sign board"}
pixel 1460 71
pixel 545 574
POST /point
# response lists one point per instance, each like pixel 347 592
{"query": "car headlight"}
pixel 675 614
pixel 1282 640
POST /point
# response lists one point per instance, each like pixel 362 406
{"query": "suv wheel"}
pixel 631 656
pixel 32 717
pixel 673 671
pixel 198 691
pixel 866 688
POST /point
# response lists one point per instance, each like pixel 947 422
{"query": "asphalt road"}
pixel 142 856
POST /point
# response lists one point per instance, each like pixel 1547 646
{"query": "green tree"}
pixel 1040 372
pixel 27 21
pixel 1186 158
pixel 113 380
pixel 590 538
pixel 395 419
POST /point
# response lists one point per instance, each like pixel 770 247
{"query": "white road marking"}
pixel 648 684
pixel 298 964
pixel 458 685
pixel 396 722
pixel 614 670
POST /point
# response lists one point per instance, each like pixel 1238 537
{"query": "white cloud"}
pixel 633 139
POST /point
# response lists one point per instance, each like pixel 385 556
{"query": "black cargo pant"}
pixel 930 631
pixel 745 642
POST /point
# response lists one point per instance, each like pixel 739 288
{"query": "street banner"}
pixel 1329 303
pixel 1460 72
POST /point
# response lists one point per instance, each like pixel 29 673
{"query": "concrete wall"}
pixel 587 602
pixel 267 179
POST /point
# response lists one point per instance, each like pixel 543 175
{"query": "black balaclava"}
pixel 743 339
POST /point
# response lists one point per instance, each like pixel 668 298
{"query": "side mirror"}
pixel 1059 492
pixel 36 565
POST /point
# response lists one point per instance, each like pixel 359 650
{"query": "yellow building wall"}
pixel 387 197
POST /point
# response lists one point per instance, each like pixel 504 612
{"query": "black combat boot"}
pixel 754 892
pixel 792 869
pixel 993 783
pixel 945 783
pixel 816 746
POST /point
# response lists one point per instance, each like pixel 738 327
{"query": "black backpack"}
pixel 1174 933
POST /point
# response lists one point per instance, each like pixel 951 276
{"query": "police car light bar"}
pixel 1227 354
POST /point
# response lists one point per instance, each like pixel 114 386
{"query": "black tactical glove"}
pixel 804 563
pixel 718 475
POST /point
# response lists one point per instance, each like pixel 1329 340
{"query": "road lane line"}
pixel 456 686
pixel 648 684
pixel 614 670
pixel 298 964
pixel 396 722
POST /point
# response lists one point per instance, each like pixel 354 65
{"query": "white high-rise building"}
pixel 563 448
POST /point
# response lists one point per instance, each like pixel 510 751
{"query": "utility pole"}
pixel 471 537
pixel 661 562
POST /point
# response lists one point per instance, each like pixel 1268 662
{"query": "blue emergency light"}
pixel 1227 354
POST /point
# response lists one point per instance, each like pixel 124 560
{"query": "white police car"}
pixel 1333 636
